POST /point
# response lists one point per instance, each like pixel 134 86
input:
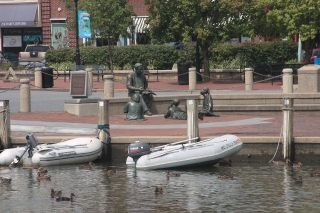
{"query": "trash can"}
pixel 183 73
pixel 47 77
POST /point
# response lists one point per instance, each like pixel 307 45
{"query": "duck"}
pixel 36 166
pixel 55 193
pixel 281 163
pixel 5 180
pixel 315 174
pixel 109 172
pixel 225 163
pixel 65 198
pixel 42 170
pixel 89 166
pixel 4 167
pixel 225 176
pixel 297 165
pixel 298 180
pixel 43 177
pixel 158 190
pixel 168 174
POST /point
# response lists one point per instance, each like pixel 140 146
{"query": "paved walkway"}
pixel 62 123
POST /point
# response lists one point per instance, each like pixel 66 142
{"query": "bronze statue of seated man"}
pixel 134 109
pixel 207 108
pixel 137 84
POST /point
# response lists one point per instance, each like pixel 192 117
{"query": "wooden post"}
pixel 5 131
pixel 103 122
pixel 25 97
pixel 287 128
pixel 192 113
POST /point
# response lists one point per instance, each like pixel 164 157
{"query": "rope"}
pixel 281 131
pixel 104 127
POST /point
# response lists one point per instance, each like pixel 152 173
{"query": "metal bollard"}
pixel 108 90
pixel 25 96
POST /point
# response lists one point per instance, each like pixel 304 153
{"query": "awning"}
pixel 15 15
pixel 140 26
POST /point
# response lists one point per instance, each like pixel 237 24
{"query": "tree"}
pixel 207 21
pixel 109 20
pixel 298 17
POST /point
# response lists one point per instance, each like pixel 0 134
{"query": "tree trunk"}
pixel 206 66
pixel 110 55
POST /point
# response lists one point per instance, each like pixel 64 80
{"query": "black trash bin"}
pixel 183 73
pixel 47 77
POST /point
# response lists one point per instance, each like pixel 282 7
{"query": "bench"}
pixel 97 70
pixel 276 70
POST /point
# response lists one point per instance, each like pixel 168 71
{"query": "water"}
pixel 256 187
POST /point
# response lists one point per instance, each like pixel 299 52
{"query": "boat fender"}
pixel 138 149
pixel 104 128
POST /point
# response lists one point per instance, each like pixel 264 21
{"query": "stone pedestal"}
pixel 25 96
pixel 38 78
pixel 309 79
pixel 82 106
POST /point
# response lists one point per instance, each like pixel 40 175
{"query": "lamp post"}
pixel 77 36
pixel 133 29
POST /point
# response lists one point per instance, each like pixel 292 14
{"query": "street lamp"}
pixel 77 36
pixel 133 29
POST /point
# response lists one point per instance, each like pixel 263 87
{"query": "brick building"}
pixel 21 22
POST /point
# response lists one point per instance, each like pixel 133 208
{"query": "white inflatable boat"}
pixel 74 151
pixel 183 153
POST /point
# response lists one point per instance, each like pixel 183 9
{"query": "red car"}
pixel 315 54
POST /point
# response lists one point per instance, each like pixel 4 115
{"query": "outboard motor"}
pixel 138 149
pixel 32 142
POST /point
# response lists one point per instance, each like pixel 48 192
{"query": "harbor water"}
pixel 256 187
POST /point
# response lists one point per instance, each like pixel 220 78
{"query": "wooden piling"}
pixel 5 131
pixel 288 151
pixel 192 113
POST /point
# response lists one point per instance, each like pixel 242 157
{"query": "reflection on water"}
pixel 256 187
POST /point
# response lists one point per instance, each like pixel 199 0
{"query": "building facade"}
pixel 23 22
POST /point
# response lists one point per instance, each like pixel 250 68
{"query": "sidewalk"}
pixel 62 123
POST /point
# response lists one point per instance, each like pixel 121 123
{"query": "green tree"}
pixel 207 21
pixel 298 17
pixel 109 20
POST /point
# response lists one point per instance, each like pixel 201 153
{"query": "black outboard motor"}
pixel 32 142
pixel 138 149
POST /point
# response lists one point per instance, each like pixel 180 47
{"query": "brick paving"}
pixel 304 126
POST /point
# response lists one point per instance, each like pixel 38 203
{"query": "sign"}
pixel 59 36
pixel 12 41
pixel 78 84
pixel 84 24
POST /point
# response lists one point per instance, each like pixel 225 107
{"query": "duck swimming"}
pixel 43 177
pixel 109 172
pixel 225 176
pixel 65 198
pixel 168 174
pixel 281 163
pixel 299 180
pixel 158 190
pixel 36 166
pixel 89 166
pixel 315 174
pixel 42 170
pixel 55 193
pixel 297 165
pixel 5 180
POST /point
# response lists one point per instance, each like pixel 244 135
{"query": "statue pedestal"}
pixel 82 106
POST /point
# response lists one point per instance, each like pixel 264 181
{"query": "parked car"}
pixel 315 54
pixel 10 56
pixel 3 60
